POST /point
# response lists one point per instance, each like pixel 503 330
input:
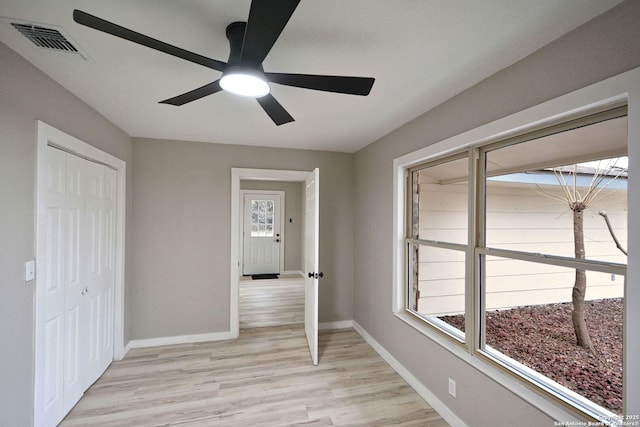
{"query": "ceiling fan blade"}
pixel 195 94
pixel 116 30
pixel 273 108
pixel 339 84
pixel 267 19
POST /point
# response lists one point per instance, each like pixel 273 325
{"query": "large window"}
pixel 516 250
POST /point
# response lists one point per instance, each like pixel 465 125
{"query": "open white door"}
pixel 312 227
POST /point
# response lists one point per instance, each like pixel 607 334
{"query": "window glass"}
pixel 261 218
pixel 558 195
pixel 528 319
pixel 534 201
pixel 440 280
pixel 440 199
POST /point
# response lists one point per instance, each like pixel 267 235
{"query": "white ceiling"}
pixel 421 53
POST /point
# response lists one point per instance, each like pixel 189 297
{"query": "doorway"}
pixel 311 242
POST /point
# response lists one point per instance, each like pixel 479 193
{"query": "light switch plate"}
pixel 29 270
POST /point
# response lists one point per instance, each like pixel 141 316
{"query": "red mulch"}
pixel 542 338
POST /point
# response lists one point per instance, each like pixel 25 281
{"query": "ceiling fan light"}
pixel 245 82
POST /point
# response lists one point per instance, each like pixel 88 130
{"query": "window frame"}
pixel 594 99
pixel 482 251
pixel 449 332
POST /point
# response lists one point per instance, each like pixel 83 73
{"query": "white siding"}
pixel 518 218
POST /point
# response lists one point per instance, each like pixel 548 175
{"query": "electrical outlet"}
pixel 452 387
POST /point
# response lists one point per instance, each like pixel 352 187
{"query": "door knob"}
pixel 316 275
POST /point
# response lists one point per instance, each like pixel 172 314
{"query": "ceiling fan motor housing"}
pixel 242 75
pixel 235 35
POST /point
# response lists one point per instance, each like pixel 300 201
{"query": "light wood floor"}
pixel 264 378
pixel 271 302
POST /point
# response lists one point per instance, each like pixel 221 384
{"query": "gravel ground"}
pixel 542 338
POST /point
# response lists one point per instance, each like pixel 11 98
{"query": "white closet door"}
pixel 79 280
pixel 99 273
pixel 92 268
pixel 49 393
pixel 75 326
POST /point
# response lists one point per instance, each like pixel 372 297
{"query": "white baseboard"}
pixel 216 336
pixel 292 273
pixel 179 339
pixel 125 350
pixel 340 324
pixel 420 388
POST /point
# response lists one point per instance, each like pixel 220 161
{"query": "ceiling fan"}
pixel 242 74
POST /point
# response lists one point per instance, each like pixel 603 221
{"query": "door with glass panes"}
pixel 262 241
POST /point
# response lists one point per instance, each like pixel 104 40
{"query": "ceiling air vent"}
pixel 48 38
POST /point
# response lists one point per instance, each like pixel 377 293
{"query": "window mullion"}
pixel 439 244
pixel 475 306
pixel 581 264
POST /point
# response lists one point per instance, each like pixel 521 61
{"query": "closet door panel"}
pixel 74 293
pixel 93 268
pixel 51 394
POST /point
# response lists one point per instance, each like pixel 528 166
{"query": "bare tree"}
pixel 579 199
pixel 604 215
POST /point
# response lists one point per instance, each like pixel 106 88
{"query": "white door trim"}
pixel 238 174
pixel 282 224
pixel 48 135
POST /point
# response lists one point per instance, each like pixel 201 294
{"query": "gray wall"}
pixel 181 226
pixel 27 95
pixel 601 48
pixel 294 211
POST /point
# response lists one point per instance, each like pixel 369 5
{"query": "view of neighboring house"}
pixel 525 213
